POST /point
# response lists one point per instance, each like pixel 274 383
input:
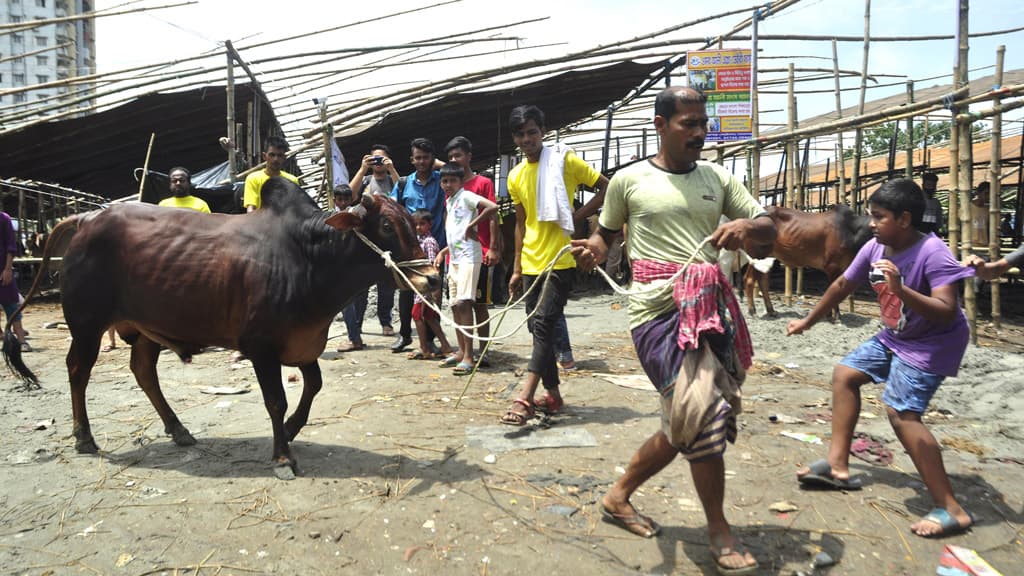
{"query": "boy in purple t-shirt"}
pixel 922 341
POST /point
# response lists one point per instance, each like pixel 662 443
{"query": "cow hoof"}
pixel 182 437
pixel 285 471
pixel 86 446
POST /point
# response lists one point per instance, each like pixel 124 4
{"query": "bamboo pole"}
pixel 791 177
pixel 995 188
pixel 328 155
pixel 755 121
pixel 859 133
pixel 965 160
pixel 230 92
pixel 840 156
pixel 145 165
pixel 8 28
pixel 908 171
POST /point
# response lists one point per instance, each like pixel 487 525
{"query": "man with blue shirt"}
pixel 420 190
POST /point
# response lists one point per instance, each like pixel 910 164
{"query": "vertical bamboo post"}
pixel 325 126
pixel 995 208
pixel 231 115
pixel 966 161
pixel 755 130
pixel 840 159
pixel 22 229
pixel 909 168
pixel 607 140
pixel 953 198
pixel 858 138
pixel 791 176
pixel 145 165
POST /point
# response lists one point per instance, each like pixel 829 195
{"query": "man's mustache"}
pixel 696 143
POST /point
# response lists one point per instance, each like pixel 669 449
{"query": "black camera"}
pixel 378 160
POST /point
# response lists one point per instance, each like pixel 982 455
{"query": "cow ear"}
pixel 346 220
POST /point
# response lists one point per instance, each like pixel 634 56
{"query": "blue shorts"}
pixel 9 309
pixel 907 388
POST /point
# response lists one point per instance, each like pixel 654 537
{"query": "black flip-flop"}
pixel 820 476
pixel 628 521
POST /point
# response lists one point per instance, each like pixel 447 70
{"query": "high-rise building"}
pixel 43 55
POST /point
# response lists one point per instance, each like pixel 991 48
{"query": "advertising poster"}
pixel 724 76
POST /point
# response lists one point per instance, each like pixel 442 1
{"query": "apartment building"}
pixel 42 55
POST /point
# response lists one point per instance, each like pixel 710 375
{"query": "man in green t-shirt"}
pixel 671 203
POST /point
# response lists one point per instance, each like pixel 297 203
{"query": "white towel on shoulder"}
pixel 552 197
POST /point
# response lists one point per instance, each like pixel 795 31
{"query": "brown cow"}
pixel 825 241
pixel 267 284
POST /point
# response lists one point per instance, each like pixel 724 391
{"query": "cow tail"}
pixel 57 242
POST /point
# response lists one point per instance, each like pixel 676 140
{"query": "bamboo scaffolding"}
pixel 35 52
pixel 11 28
pixel 383 48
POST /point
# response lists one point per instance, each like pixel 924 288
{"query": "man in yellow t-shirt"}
pixel 181 188
pixel 275 152
pixel 540 234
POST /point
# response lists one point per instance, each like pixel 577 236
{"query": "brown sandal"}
pixel 513 418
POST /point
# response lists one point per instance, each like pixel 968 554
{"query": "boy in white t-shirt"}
pixel 464 210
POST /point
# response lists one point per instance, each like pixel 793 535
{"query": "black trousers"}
pixel 548 300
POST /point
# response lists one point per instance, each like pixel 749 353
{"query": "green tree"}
pixel 876 140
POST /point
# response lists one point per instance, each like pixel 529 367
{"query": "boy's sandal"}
pixel 462 369
pixel 513 418
pixel 549 404
pixel 449 362
pixel 107 348
pixel 25 347
pixel 420 355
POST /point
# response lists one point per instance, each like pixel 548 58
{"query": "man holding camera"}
pixel 377 175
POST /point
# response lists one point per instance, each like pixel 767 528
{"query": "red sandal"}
pixel 513 418
pixel 549 404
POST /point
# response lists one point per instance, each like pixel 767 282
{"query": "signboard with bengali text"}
pixel 724 76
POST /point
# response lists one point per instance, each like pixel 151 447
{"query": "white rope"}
pixel 467 330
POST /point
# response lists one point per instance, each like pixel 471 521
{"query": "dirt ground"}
pixel 396 477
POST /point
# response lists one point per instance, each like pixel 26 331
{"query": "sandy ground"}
pixel 394 478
